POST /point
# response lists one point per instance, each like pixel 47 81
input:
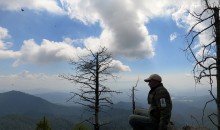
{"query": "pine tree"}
pixel 43 125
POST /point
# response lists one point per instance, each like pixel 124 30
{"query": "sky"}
pixel 39 37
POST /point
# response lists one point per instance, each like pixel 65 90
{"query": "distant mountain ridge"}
pixel 18 105
pixel 15 102
pixel 57 97
pixel 21 111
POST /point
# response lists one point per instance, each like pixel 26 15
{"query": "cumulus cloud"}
pixel 5 45
pixel 185 20
pixel 117 66
pixel 4 35
pixel 38 5
pixel 123 23
pixel 81 10
pixel 182 18
pixel 9 54
pixel 173 36
pixel 48 52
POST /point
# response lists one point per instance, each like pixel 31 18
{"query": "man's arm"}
pixel 165 106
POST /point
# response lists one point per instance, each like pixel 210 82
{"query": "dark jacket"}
pixel 160 106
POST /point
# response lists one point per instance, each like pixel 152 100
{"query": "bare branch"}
pixel 207 64
pixel 195 120
pixel 204 109
pixel 213 114
pixel 90 72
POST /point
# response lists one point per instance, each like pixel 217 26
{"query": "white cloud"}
pixel 3 37
pixel 5 45
pixel 117 66
pixel 24 75
pixel 9 54
pixel 29 76
pixel 38 5
pixel 152 8
pixel 209 61
pixel 123 23
pixel 81 10
pixel 182 18
pixel 173 36
pixel 34 82
pixel 187 21
pixel 3 33
pixel 41 83
pixel 124 32
pixel 48 52
pixel 199 54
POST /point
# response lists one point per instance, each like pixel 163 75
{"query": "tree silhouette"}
pixel 207 55
pixel 90 72
pixel 43 125
pixel 133 95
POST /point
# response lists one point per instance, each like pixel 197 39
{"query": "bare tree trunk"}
pixel 97 95
pixel 91 71
pixel 133 102
pixel 217 27
pixel 133 96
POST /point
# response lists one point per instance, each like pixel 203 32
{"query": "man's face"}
pixel 153 83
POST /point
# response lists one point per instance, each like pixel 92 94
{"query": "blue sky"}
pixel 38 37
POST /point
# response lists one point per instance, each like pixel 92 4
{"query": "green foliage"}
pixel 59 123
pixel 43 125
pixel 80 126
pixel 15 122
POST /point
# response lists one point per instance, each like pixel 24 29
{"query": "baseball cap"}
pixel 153 77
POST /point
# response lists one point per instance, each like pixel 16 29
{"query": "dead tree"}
pixel 90 72
pixel 133 95
pixel 207 64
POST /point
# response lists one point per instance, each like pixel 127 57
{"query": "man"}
pixel 159 114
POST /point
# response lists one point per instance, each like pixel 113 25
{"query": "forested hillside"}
pixel 21 111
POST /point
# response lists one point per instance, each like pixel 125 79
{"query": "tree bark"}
pixel 217 39
pixel 133 102
pixel 97 94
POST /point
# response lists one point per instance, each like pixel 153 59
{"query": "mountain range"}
pixel 22 111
